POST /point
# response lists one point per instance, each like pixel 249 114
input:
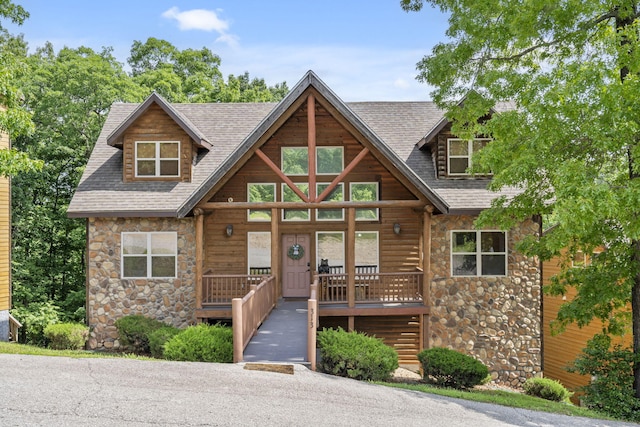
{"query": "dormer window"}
pixel 157 159
pixel 460 152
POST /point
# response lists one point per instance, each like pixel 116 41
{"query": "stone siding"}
pixel 495 319
pixel 109 297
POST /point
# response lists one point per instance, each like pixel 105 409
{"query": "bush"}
pixel 611 369
pixel 546 388
pixel 34 318
pixel 201 343
pixel 448 368
pixel 134 332
pixel 355 355
pixel 159 337
pixel 66 336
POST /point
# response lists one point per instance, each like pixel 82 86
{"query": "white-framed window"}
pixel 330 247
pixel 257 193
pixel 294 161
pixel 478 253
pixel 329 160
pixel 367 249
pixel 365 192
pixel 157 158
pixel 149 255
pixel 258 251
pixel 288 195
pixel 460 152
pixel 336 195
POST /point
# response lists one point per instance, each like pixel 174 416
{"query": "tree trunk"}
pixel 622 23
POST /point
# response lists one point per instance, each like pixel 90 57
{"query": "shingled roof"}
pixel 230 129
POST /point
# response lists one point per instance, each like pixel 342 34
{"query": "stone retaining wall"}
pixel 109 297
pixel 495 319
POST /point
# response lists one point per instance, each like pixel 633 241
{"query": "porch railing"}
pixel 249 312
pixel 220 289
pixel 372 287
pixel 313 318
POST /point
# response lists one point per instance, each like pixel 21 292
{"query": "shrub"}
pixel 355 355
pixel 448 368
pixel 34 318
pixel 66 336
pixel 611 369
pixel 546 388
pixel 159 337
pixel 134 332
pixel 201 343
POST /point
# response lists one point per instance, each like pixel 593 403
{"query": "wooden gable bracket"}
pixel 344 173
pixel 281 175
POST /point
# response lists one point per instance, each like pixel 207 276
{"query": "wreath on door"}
pixel 295 252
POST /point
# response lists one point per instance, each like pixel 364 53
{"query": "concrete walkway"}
pixel 282 337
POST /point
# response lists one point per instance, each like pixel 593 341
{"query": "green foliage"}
pixel 547 388
pixel 201 343
pixel 355 355
pixel 66 336
pixel 611 369
pixel 134 332
pixel 159 337
pixel 570 141
pixel 35 317
pixel 448 368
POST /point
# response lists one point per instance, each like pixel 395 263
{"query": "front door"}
pixel 296 276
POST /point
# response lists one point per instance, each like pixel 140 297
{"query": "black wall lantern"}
pixel 396 228
pixel 229 230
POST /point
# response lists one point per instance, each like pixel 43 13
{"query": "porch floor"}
pixel 283 335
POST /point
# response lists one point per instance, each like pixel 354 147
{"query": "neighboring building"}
pixel 5 248
pixel 562 349
pixel 186 204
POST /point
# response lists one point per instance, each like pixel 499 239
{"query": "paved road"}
pixel 58 391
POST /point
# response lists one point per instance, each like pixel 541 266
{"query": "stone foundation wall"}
pixel 109 297
pixel 495 319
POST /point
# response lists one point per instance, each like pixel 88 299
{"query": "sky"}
pixel 364 50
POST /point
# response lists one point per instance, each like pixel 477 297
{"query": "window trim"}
pixel 318 160
pixel 318 191
pixel 478 253
pixel 156 159
pixel 149 255
pixel 468 156
pixel 275 197
pixel 377 184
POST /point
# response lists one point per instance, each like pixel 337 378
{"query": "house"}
pixel 561 349
pixel 187 204
pixel 7 323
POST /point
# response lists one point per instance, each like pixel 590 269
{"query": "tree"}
pixel 69 95
pixel 572 142
pixel 13 119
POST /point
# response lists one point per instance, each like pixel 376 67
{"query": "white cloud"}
pixel 203 20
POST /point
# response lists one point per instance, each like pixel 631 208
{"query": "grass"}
pixel 504 398
pixel 13 348
pixel 498 397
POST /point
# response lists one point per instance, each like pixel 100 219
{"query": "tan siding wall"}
pixel 156 125
pixel 562 349
pixel 5 235
pixel 226 255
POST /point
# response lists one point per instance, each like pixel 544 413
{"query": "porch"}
pixel 374 299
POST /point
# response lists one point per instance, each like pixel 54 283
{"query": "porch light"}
pixel 229 230
pixel 396 228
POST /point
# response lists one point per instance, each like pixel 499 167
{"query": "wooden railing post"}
pixel 312 314
pixel 238 335
pixel 350 257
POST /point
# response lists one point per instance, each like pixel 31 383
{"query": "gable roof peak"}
pixel 115 137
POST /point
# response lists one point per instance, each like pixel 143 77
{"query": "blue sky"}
pixel 365 50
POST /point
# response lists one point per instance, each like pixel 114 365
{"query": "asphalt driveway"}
pixel 59 391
